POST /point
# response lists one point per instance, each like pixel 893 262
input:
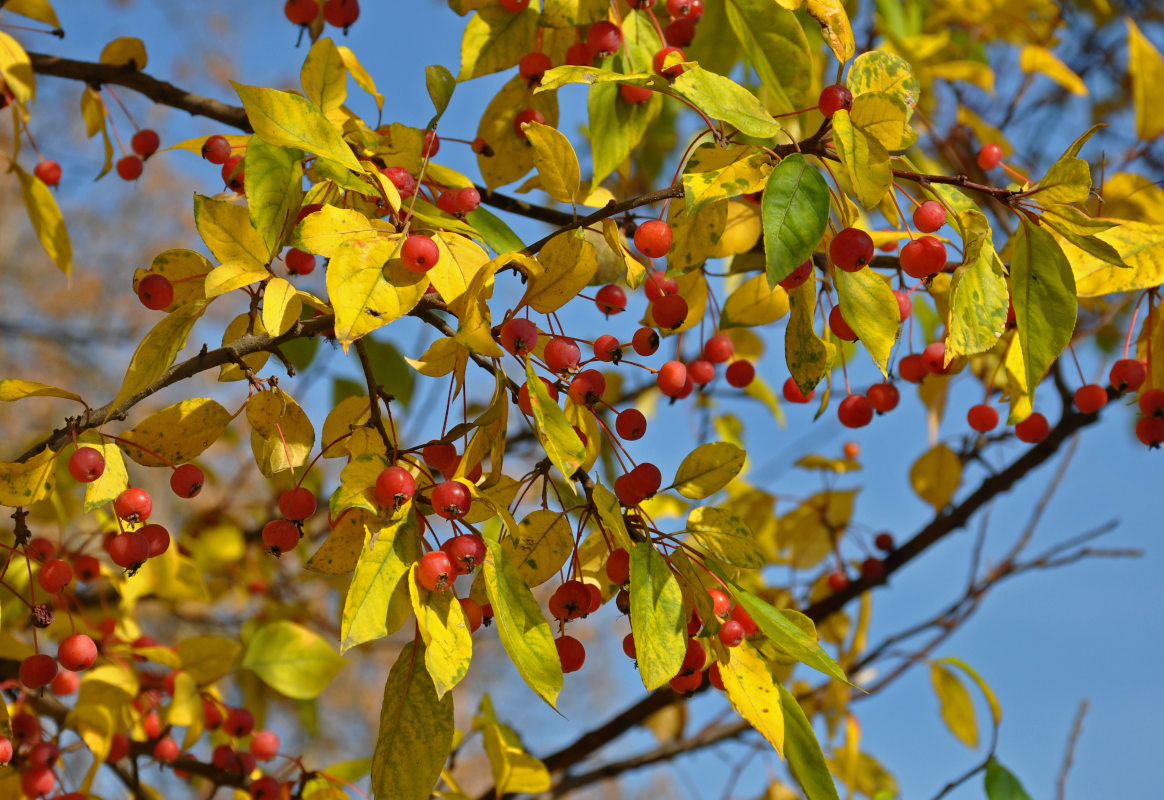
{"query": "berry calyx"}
pixel 134 505
pixel 465 551
pixel 982 417
pixel 989 157
pixel 1033 429
pixel 145 142
pixel 855 411
pixel 610 299
pixel 129 168
pixel 570 601
pixel 929 216
pixel 395 486
pixel 216 149
pixel 1090 398
pixel 654 238
pixel 851 249
pixel 187 480
pixel 740 374
pixel 519 336
pixel 48 171
pixel 923 257
pixel 155 292
pixel 606 348
pixel 297 504
pixel 571 653
pixel 419 253
pixel 834 98
pixel 86 464
pixel 435 571
pixel 77 652
pixel 451 500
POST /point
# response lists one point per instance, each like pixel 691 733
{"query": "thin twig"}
pixel 1069 755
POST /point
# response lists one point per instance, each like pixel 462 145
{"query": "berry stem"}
pixel 1132 324
pixel 113 94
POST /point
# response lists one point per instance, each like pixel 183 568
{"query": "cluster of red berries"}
pixel 338 13
pixel 872 568
pixel 218 151
pixel 129 167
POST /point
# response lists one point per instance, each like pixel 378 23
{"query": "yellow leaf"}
pixel 292 660
pixel 324 77
pixel 369 287
pixel 561 443
pixel 157 351
pixel 885 117
pixel 496 39
pixel 176 434
pixel 936 476
pixel 1039 59
pixel 231 275
pixel 16 67
pixel 45 217
pixel 512 156
pixel 208 659
pixel 290 443
pixel 866 160
pixel 185 269
pixel 513 769
pixel 754 693
pixel 635 271
pixel 442 357
pixel 281 307
pixel 23 484
pixel 360 75
pixel 1139 244
pixel 754 304
pixel 348 414
pixel 569 262
pixel 240 326
pixel 707 469
pixel 290 120
pixel 722 534
pixel 324 231
pixel 715 174
pixel 227 230
pixel 870 308
pixel 556 162
pixel 377 602
pixel 540 545
pixel 957 709
pixel 125 51
pixel 113 480
pixel 40 10
pixel 807 355
pixel 974 72
pixel 834 26
pixel 1146 68
pixel 448 647
pixel 741 231
pixel 15 389
pixel 807 534
pixel 340 552
pixel 459 262
pixel 1133 197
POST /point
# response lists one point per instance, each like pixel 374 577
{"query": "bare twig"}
pixel 1069 755
pixel 373 394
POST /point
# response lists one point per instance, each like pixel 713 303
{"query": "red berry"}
pixel 187 480
pixel 1152 403
pixel 86 464
pixel 468 198
pixel 872 569
pixel 38 671
pixel 625 491
pixel 145 142
pixel 701 372
pixel 731 634
pixel 519 336
pixel 118 748
pixel 155 292
pixel 630 424
pixel 714 677
pixel 166 751
pixel 64 684
pixel 851 249
pixel 571 653
pixel 394 487
pixel 265 745
pixel 465 551
pixel 129 550
pixel 532 66
pixel 1127 375
pixel 883 397
pixel 54 575
pixel 610 299
pixel 134 505
pixel 659 285
pixel 431 145
pixel 855 411
pixel 793 394
pixel 129 168
pixel 402 179
pixel 523 399
pixel 884 542
pixel 474 615
pixel 672 376
pixel 419 253
pixel 1032 429
pixel 267 787
pixel 668 62
pixel 989 157
pixel 451 500
pixel 48 171
pixel 233 174
pixel 1090 398
pixel 298 262
pixel 833 99
pixel 587 387
pixel 740 373
pixel 529 115
pixel 514 6
pixel 158 538
pixel 694 658
pixel 439 456
pixel 1150 431
pixel 669 311
pixel 606 348
pixel 77 652
pixel 839 327
pixel 628 646
pixel 798 276
pixel 929 216
pixel 341 13
pixel 923 257
pixel 579 55
pixel 904 303
pixel 300 12
pixel 654 238
pixel 686 684
pixel 297 504
pixel 604 38
pixel 618 566
pixel 934 358
pixel 37 781
pixel 645 341
pixel 721 602
pixel 645 479
pixel 281 536
pixel 718 349
pixel 635 95
pixel 982 417
pixel 239 723
pixel 569 601
pixel 912 368
pixel 216 149
pixel 680 32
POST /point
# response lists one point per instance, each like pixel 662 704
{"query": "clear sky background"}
pixel 1044 641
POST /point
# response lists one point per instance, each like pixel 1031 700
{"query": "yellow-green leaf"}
pixel 1034 58
pixel 448 647
pixel 754 693
pixel 978 294
pixel 16 67
pixel 870 308
pixel 720 533
pixel 834 26
pixel 610 513
pixel 775 45
pixel 806 762
pixel 1042 288
pixel 555 160
pixel 360 75
pixel 292 660
pixel 514 770
pixel 228 232
pixel 324 231
pixel 957 709
pixel 177 434
pixel 753 304
pixel 231 275
pixel 866 160
pixel 281 306
pixel 658 618
pixel 885 117
pixel 935 476
pixel 441 84
pixel 512 156
pixel 45 217
pixel 707 469
pixel 459 262
pixel 208 659
pixel 540 546
pixel 557 435
pixel 878 71
pixel 274 178
pixel 157 351
pixel 1146 68
pixel 290 442
pixel 290 120
pixel 496 39
pixel 991 698
pixel 807 355
pixel 1139 244
pixel 369 287
pixel 324 79
pixel 15 389
pixel 715 174
pixel 22 484
pixel 568 263
pixel 724 99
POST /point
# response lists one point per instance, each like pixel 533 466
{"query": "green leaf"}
pixel 870 308
pixel 795 208
pixel 720 533
pixel 46 217
pixel 292 660
pixel 880 71
pixel 416 731
pixel 866 160
pixel 1000 784
pixel 499 236
pixel 724 99
pixel 377 601
pixel 978 296
pixel 522 628
pixel 658 618
pixel 568 74
pixel 808 356
pixel 290 120
pixel 957 708
pixel 707 469
pixel 1042 287
pixel 324 79
pixel 616 126
pixel 557 435
pixel 274 190
pixel 805 759
pixel 448 644
pixel 775 46
pixel 440 83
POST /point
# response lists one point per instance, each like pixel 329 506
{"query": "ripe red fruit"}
pixel 579 55
pixel 419 253
pixel 38 671
pixel 701 372
pixel 158 538
pixel 569 601
pixel 618 566
pixel 129 168
pixel 833 99
pixel 731 634
pixel 672 55
pixel 1127 375
pixel 680 32
pixel 474 614
pixel 1032 429
pixel 793 394
pixel 281 536
pixel 468 198
pixel 529 115
pixel 65 683
pixel 532 66
pixel 187 480
pixel 265 745
pixel 145 142
pixel 48 171
pixel 606 349
pixel 626 492
pixel 341 13
pixel 155 292
pixel 604 38
pixel 298 262
pixel 239 722
pixel 297 504
pixel 904 303
pixel 118 748
pixel 686 684
pixel 435 571
pixel 77 652
pixel 431 145
pixel 645 341
pixel 669 311
pixel 883 541
pixel 634 95
pixel 1090 398
pixel 838 581
pixel 38 781
pixel 402 179
pixel 630 424
pixel 884 397
pixel 440 456
pixel 394 487
pixel 912 368
pixel 654 238
pixel 134 505
pixel 587 387
pixel 851 249
pixel 6 750
pixel 989 157
pixel 872 569
pixel 798 276
pixel 86 464
pixel 268 787
pixel 54 575
pixel 658 285
pixel 216 149
pixel 982 417
pixel 129 550
pixel 571 653
pixel 934 358
pixel 855 411
pixel 1150 431
pixel 465 551
pixel 628 646
pixel 929 216
pixel 233 174
pixel 167 751
pixel 523 398
pixel 300 12
pixel 718 349
pixel 514 6
pixel 694 658
pixel 451 500
pixel 721 602
pixel 671 378
pixel 610 299
pixel 645 479
pixel 839 326
pixel 923 257
pixel 740 373
pixel 519 336
pixel 25 727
